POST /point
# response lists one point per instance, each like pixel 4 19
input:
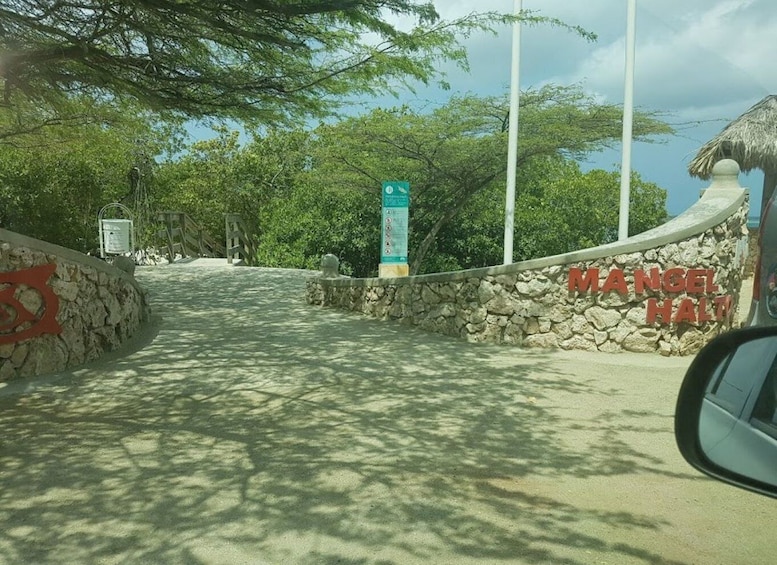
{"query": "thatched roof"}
pixel 751 140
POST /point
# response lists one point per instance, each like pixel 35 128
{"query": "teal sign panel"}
pixel 396 201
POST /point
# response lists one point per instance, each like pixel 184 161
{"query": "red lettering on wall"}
pixel 711 287
pixel 674 280
pixel 686 312
pixel 695 281
pixel 642 280
pixel 16 316
pixel 654 310
pixel 616 280
pixel 723 307
pixel 704 315
pixel 583 283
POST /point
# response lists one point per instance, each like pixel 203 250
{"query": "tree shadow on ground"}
pixel 254 428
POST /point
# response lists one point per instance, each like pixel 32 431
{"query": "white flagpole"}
pixel 512 136
pixel 628 120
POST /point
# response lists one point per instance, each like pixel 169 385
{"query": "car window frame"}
pixel 693 392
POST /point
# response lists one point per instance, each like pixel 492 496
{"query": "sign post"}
pixel 393 241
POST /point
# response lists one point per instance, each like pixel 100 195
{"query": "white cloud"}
pixel 718 53
pixel 690 54
pixel 704 61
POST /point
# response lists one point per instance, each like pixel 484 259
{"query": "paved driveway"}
pixel 252 428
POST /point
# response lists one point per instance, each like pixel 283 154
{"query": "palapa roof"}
pixel 751 140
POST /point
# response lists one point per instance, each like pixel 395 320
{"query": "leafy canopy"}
pixel 460 149
pixel 53 187
pixel 267 60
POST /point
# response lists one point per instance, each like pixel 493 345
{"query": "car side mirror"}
pixel 726 415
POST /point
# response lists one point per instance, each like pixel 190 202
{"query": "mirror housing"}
pixel 726 440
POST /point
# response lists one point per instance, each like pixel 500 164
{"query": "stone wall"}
pixel 59 308
pixel 669 290
pixel 752 253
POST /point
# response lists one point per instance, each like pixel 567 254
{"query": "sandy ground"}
pixel 250 428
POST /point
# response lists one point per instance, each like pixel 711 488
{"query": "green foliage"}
pixel 310 193
pixel 456 151
pixel 54 185
pixel 266 62
pixel 219 176
pixel 320 220
pixel 446 155
pixel 568 210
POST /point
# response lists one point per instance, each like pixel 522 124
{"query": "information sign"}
pixel 396 201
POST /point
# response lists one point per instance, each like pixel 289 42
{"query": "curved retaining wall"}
pixel 59 308
pixel 670 289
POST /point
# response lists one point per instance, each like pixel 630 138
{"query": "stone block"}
pixel 448 292
pixel 641 341
pixel 691 342
pixel 506 281
pixel 560 313
pixel 620 333
pixel 7 371
pixel 534 288
pixel 113 309
pixel 47 355
pixel 124 264
pixel 500 321
pixel 478 315
pixel 580 324
pixel 446 310
pixel 6 350
pixel 544 341
pixel 31 299
pixel 19 354
pixel 610 347
pixel 429 296
pixel 486 292
pixel 578 342
pixel 563 330
pixel 602 318
pixel 553 272
pixel 493 333
pixel 94 313
pixel 501 304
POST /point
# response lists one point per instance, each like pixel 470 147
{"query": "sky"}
pixel 702 62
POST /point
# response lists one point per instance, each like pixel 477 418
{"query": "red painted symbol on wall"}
pixel 13 314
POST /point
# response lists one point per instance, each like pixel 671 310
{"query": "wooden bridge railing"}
pixel 240 242
pixel 183 236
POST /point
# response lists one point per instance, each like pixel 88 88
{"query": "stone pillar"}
pixel 725 175
pixel 330 266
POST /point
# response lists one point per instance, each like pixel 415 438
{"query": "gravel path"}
pixel 251 428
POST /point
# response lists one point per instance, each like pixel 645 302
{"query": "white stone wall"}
pixel 99 308
pixel 699 276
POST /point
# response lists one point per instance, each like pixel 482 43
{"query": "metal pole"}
pixel 512 136
pixel 628 120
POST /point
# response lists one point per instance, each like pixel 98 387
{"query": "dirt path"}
pixel 255 429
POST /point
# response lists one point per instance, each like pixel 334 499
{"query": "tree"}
pixel 270 61
pixel 54 188
pixel 455 151
pixel 221 175
pixel 316 219
pixel 569 210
